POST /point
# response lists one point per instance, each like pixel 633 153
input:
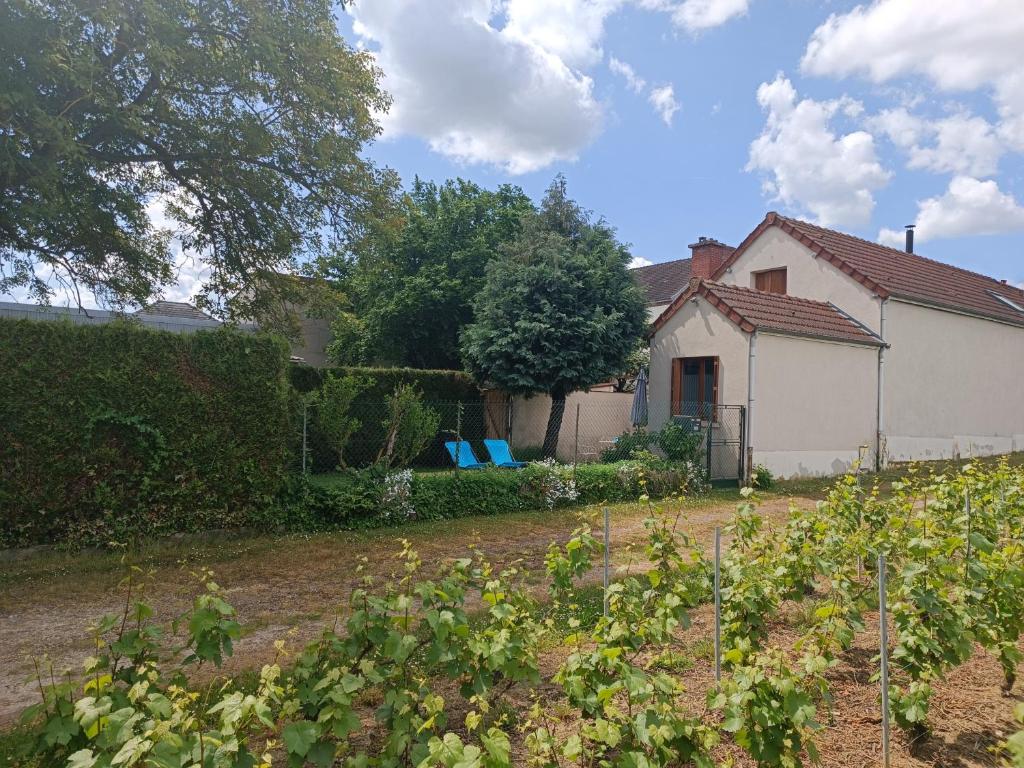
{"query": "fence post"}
pixel 718 605
pixel 883 621
pixel 305 421
pixel 576 443
pixel 607 546
pixel 458 434
pixel 967 555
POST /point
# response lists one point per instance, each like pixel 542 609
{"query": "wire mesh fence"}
pixel 592 427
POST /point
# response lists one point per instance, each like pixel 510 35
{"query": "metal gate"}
pixel 724 430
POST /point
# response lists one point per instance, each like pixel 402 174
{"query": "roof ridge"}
pixel 660 263
pixel 898 251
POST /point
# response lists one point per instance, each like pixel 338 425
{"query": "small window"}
pixel 694 389
pixel 771 280
pixel 1007 301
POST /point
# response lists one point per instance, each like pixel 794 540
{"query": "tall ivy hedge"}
pixel 111 431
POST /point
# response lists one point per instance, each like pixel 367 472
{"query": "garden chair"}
pixel 501 454
pixel 462 455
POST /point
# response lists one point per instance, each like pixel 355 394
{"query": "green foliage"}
pixel 637 439
pixel 352 499
pixel 334 407
pixel 112 431
pixel 408 427
pixel 761 477
pixel 769 711
pixel 248 119
pixel 134 706
pixel 558 311
pixel 441 389
pixel 416 275
pixel 680 443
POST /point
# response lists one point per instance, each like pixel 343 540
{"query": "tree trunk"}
pixel 554 424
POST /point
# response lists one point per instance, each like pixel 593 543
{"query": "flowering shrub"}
pixel 396 499
pixel 556 482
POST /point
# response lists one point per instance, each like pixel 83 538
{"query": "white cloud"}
pixel 807 165
pixel 663 99
pixel 639 261
pixel 698 15
pixel 959 45
pixel 477 93
pixel 569 29
pixel 968 207
pixel 636 83
pixel 961 143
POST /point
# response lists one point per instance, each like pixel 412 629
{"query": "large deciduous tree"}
pixel 245 119
pixel 416 273
pixel 558 312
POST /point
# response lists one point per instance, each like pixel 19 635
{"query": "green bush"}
pixel 761 477
pixel 112 431
pixel 439 389
pixel 353 499
pixel 625 444
pixel 681 443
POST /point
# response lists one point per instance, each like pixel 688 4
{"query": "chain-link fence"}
pixel 723 430
pixel 592 427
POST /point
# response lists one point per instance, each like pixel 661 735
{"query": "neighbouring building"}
pixel 839 348
pixel 174 316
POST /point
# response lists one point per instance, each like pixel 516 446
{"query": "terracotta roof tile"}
pixel 661 282
pixel 915 277
pixel 760 310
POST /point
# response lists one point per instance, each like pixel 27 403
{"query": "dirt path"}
pixel 281 587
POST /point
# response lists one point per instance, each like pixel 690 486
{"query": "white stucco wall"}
pixel 603 416
pixel 806 275
pixel 654 311
pixel 953 384
pixel 697 330
pixel 814 405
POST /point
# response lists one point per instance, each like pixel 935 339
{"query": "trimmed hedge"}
pixel 440 389
pixel 353 499
pixel 436 386
pixel 112 431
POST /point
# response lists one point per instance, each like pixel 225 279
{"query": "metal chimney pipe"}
pixel 910 237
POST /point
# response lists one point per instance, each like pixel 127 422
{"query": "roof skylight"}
pixel 1007 301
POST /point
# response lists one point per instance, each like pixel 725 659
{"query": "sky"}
pixel 675 119
pixel 680 118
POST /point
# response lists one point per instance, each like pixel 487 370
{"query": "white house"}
pixel 838 348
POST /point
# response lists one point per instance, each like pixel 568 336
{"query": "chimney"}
pixel 910 237
pixel 708 255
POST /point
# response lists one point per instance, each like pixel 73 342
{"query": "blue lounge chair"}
pixel 462 455
pixel 501 454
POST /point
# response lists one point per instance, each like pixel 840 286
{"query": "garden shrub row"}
pixel 354 499
pixel 113 431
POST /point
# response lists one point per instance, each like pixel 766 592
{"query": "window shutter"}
pixel 714 385
pixel 676 395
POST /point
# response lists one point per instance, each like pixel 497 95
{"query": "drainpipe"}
pixel 880 425
pixel 751 368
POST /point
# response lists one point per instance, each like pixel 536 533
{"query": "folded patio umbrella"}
pixel 638 413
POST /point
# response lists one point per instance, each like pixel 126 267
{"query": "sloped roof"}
pixel 893 272
pixel 174 309
pixel 661 282
pixel 759 310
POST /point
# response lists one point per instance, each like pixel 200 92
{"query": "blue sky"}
pixel 861 117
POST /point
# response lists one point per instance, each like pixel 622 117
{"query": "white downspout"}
pixel 880 426
pixel 751 368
